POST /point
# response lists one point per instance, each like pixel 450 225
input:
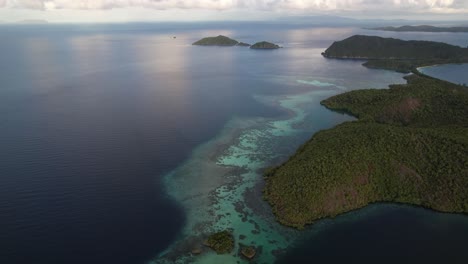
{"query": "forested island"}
pixel 217 41
pixel 423 28
pixel 264 45
pixel 409 145
pixel 395 54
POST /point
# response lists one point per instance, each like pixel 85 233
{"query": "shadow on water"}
pixel 384 233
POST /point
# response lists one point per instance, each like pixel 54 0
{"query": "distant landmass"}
pixel 332 20
pixel 264 45
pixel 396 54
pixel 422 28
pixel 409 144
pixel 33 21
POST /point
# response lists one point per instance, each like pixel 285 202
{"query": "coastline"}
pixel 383 230
pixel 250 167
pixel 236 158
pixel 282 206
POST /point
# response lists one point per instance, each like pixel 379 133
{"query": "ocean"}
pixel 455 73
pixel 123 143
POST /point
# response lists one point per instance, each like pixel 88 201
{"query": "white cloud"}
pixel 317 5
pixel 192 10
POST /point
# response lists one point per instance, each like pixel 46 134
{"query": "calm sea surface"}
pixel 456 73
pixel 94 117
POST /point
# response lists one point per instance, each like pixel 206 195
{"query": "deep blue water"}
pixel 386 234
pixel 92 117
pixel 90 120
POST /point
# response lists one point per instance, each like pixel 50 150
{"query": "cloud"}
pixel 274 5
pixel 27 4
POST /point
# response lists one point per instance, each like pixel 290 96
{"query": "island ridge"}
pixel 395 54
pixel 422 28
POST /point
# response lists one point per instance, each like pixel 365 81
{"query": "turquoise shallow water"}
pixel 220 184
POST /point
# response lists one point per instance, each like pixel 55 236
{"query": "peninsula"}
pixel 395 54
pixel 423 28
pixel 409 146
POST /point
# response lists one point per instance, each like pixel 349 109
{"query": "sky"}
pixel 196 10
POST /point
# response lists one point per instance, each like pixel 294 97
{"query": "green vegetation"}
pixel 216 41
pixel 371 47
pixel 423 28
pixel 221 242
pixel 404 66
pixel 410 145
pixel 264 45
pixel 395 54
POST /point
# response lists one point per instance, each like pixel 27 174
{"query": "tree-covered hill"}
pixel 396 54
pixel 216 41
pixel 264 45
pixel 410 145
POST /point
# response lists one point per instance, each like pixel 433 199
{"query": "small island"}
pixel 264 45
pixel 409 144
pixel 422 28
pixel 221 242
pixel 395 54
pixel 216 41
